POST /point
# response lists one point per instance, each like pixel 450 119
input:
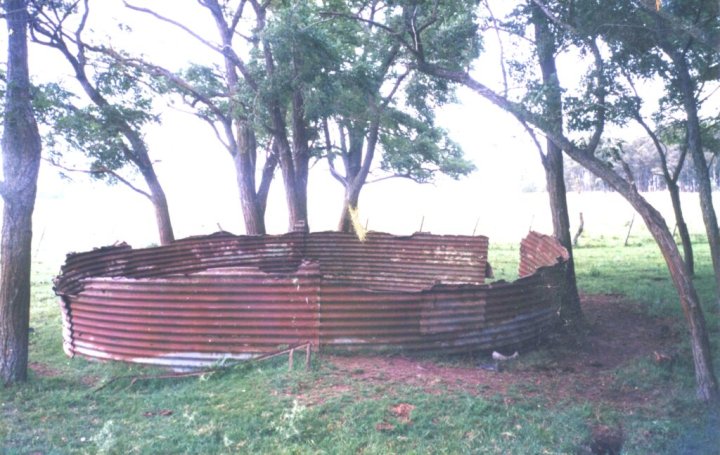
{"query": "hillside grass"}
pixel 250 409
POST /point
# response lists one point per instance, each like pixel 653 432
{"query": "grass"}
pixel 638 272
pixel 253 409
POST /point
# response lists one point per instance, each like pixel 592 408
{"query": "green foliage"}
pixel 377 87
pixel 69 125
pixel 309 54
pixel 415 150
pixel 449 30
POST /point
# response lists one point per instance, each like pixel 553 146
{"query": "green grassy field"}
pixel 70 405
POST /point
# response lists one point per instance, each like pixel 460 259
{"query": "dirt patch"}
pixel 618 333
pixel 44 370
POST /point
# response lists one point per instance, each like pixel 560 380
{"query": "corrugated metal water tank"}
pixel 203 299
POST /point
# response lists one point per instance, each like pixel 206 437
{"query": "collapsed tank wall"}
pixel 202 299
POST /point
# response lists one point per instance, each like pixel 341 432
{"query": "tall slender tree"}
pixel 382 110
pixel 110 133
pixel 594 113
pixel 225 96
pixel 21 163
pixel 639 33
pixel 546 49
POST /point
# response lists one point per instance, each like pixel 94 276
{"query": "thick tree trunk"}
pixel 701 168
pixel 301 163
pixel 294 169
pixel 160 204
pixel 352 196
pixel 570 310
pixel 15 290
pixel 674 191
pixel 252 209
pixel 297 213
pixel 21 164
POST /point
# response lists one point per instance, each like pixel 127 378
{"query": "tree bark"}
pixel 694 143
pixel 21 163
pixel 570 310
pixel 350 201
pixel 301 163
pixel 160 204
pixel 674 191
pixel 244 158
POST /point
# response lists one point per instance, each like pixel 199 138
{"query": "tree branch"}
pixel 82 59
pixel 175 23
pixel 395 33
pixel 268 173
pixel 331 156
pixel 215 129
pixel 630 177
pixel 159 71
pixel 600 91
pixel 237 16
pixel 392 176
pixel 661 150
pixel 386 100
pixel 100 171
pixel 502 53
pixel 372 140
pixel 533 136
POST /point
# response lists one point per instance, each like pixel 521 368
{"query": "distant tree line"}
pixel 646 169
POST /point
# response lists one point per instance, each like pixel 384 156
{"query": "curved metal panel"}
pixel 203 299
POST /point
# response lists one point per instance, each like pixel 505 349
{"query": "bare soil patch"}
pixel 47 371
pixel 618 333
pixel 44 370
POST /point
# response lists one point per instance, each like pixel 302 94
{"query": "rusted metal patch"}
pixel 204 299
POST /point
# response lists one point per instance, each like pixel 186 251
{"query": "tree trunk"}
pixel 253 213
pixel 570 310
pixel 141 158
pixel 21 163
pixel 705 380
pixel 265 181
pixel 160 204
pixel 291 167
pixel 296 221
pixel 701 169
pixel 682 226
pixel 301 163
pixel 352 196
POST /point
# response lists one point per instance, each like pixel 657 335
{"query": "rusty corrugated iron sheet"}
pixel 204 299
pixel 539 250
